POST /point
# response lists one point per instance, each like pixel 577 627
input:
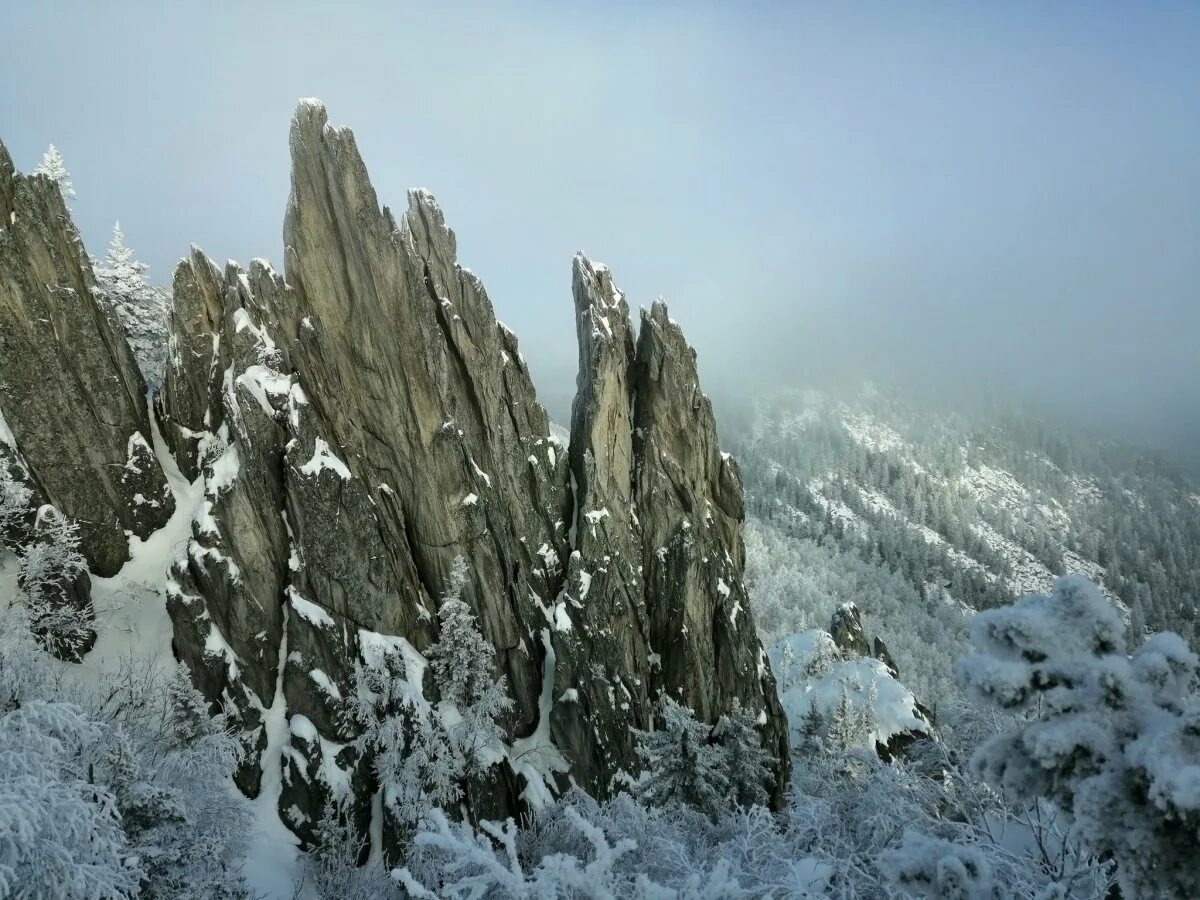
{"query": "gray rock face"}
pixel 225 594
pixel 689 504
pixel 69 388
pixel 364 422
pixel 602 652
pixel 848 634
pixel 846 629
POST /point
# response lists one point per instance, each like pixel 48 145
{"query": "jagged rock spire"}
pixel 70 390
pixel 383 423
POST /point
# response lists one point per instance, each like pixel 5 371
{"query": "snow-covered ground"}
pixel 811 672
pixel 133 625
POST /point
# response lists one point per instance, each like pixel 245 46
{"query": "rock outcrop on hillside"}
pixel 70 391
pixel 362 422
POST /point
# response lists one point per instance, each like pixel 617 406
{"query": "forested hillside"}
pixel 919 514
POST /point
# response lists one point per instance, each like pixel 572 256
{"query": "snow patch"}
pixel 324 458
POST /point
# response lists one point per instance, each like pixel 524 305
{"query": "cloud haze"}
pixel 1004 195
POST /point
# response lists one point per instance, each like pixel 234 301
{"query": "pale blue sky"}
pixel 1003 194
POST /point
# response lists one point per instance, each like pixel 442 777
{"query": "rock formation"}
pixel 70 391
pixel 849 636
pixel 364 421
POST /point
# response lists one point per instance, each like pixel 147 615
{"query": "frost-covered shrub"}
pixel 1112 739
pixel 617 849
pixel 940 870
pixel 333 869
pixel 60 832
pixel 116 786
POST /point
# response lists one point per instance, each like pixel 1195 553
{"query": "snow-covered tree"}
pixel 1111 739
pixel 416 762
pixel 474 696
pixel 746 761
pixel 333 869
pixel 49 567
pixel 681 765
pixel 182 820
pixel 53 167
pixel 811 728
pixel 15 499
pixel 140 307
pixel 61 834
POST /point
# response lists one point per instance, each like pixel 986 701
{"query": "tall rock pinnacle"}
pixel 70 391
pixel 365 421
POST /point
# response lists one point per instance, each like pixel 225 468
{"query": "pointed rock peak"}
pixel 847 632
pixel 310 113
pixel 7 173
pixel 425 224
pixel 592 285
pixel 660 316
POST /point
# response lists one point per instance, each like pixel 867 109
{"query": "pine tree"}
pixel 140 307
pixel 1109 737
pixel 189 711
pixel 746 761
pixel 843 725
pixel 53 167
pixel 682 766
pixel 464 672
pixel 811 727
pixel 50 567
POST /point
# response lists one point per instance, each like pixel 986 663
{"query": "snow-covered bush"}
pixel 1112 739
pixel 930 867
pixel 616 849
pixel 856 813
pixel 333 869
pixel 114 787
pixel 182 817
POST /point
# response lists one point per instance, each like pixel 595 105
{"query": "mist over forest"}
pixel 995 199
